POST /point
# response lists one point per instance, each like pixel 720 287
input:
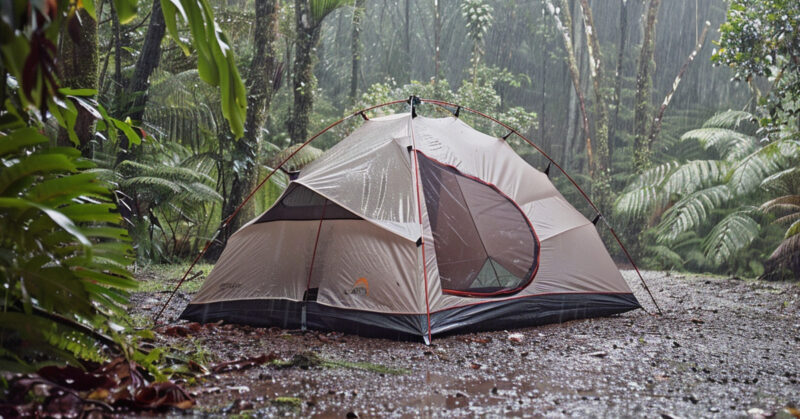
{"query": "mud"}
pixel 723 348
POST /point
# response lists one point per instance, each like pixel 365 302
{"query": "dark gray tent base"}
pixel 495 315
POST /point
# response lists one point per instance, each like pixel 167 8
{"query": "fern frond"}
pixel 691 211
pixel 731 145
pixel 695 175
pixel 666 256
pixel 639 202
pixel 152 184
pixel 322 8
pixel 298 161
pixel 784 260
pixel 785 181
pixel 729 119
pixel 654 176
pixel 730 235
pixel 748 173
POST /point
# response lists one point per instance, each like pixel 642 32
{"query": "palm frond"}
pixel 729 119
pixel 785 181
pixel 298 161
pixel 322 8
pixel 639 202
pixel 731 145
pixel 695 175
pixel 784 262
pixel 748 173
pixel 689 212
pixel 731 234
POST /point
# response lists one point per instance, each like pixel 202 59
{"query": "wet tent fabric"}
pixel 414 226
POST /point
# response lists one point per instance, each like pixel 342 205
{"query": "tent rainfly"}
pixel 410 227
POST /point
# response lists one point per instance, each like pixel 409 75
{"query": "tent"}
pixel 411 227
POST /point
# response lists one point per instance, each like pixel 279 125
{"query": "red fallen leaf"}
pixel 163 394
pixel 478 339
pixel 126 376
pixel 74 378
pixel 63 404
pixel 176 331
pixel 475 366
pixel 244 363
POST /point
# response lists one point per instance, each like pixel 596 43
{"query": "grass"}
pixel 156 278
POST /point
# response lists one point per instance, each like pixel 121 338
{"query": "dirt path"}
pixel 724 347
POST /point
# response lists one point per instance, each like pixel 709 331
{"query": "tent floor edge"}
pixel 492 315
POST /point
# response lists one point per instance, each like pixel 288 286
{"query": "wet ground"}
pixel 723 348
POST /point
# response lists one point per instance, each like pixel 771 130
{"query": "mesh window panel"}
pixel 484 244
pixel 301 203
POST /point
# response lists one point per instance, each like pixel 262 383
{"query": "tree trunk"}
pixel 623 29
pixel 355 48
pixel 260 87
pixel 565 29
pixel 308 34
pixel 644 87
pixel 78 67
pixel 437 38
pixel 407 42
pixel 148 61
pixel 655 128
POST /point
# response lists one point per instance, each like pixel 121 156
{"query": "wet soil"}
pixel 723 348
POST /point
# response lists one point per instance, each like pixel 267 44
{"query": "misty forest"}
pixel 137 136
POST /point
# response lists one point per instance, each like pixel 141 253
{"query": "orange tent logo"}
pixel 360 287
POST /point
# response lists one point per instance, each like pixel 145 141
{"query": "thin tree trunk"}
pixel 261 78
pixel 598 167
pixel 117 80
pixel 623 29
pixel 308 34
pixel 407 41
pixel 566 29
pixel 600 162
pixel 644 87
pixel 437 32
pixel 655 128
pixel 148 61
pixel 78 67
pixel 355 48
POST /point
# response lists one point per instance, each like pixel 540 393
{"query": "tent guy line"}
pixel 412 102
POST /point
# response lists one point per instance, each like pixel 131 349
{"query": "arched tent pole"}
pixel 253 192
pixel 445 105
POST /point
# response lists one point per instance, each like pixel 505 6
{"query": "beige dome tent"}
pixel 414 226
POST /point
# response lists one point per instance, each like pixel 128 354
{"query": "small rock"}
pixel 598 354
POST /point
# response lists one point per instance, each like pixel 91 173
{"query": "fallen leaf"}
pixel 245 363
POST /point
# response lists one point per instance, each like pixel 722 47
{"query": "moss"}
pixel 310 359
pixel 289 403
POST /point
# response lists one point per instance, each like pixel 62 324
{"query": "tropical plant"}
pixel 479 93
pixel 685 196
pixel 63 260
pixel 63 254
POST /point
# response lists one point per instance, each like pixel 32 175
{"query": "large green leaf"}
pixel 215 60
pixel 57 217
pixel 730 235
pixel 689 212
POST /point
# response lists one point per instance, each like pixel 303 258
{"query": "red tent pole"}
pixel 542 152
pixel 253 192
